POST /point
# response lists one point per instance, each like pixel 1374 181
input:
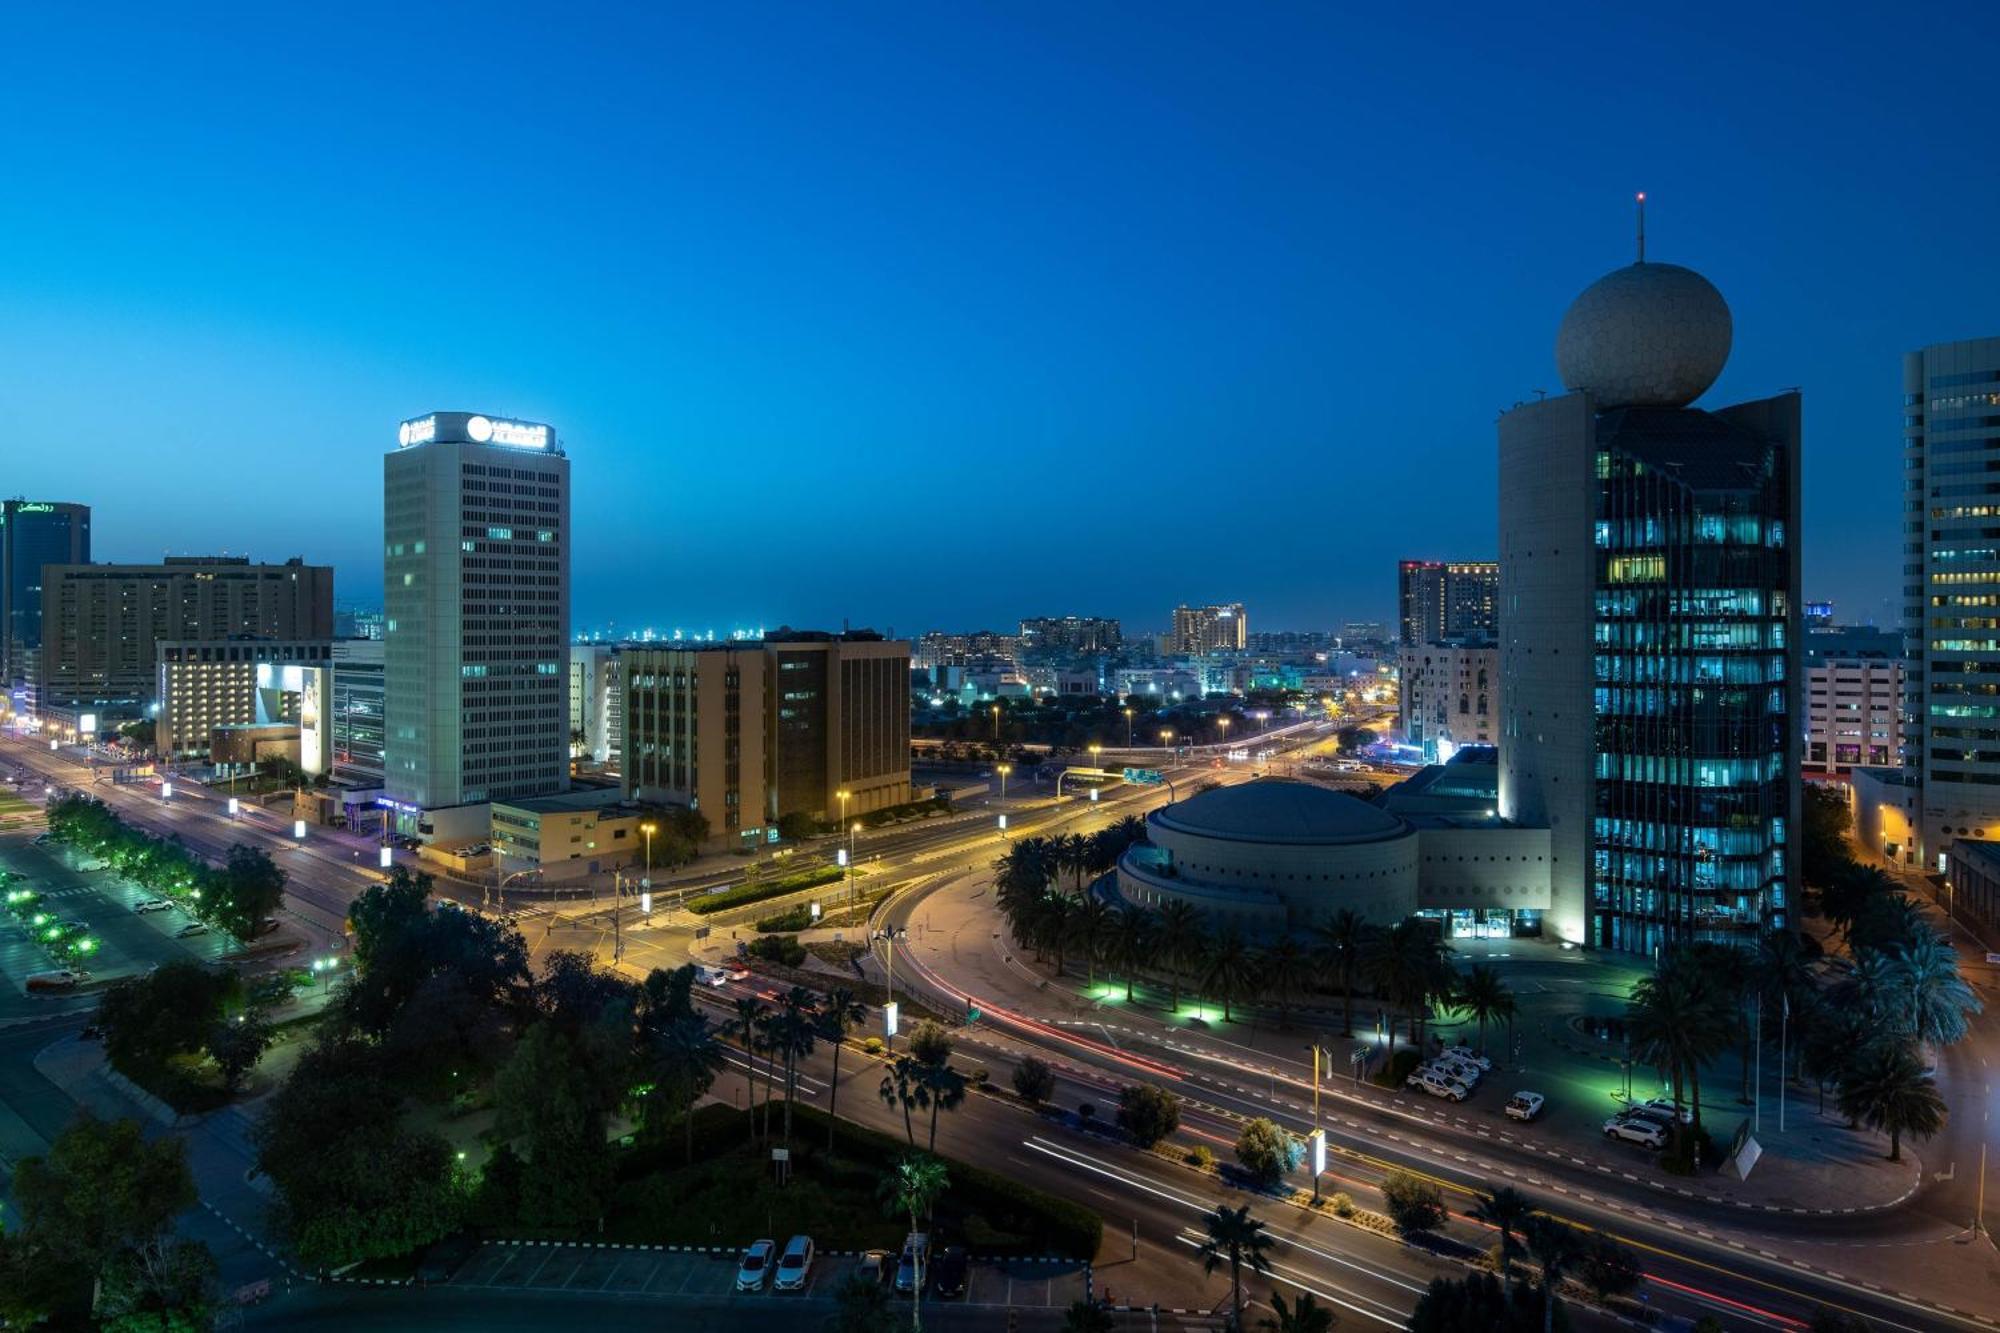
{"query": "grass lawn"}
pixel 730 1194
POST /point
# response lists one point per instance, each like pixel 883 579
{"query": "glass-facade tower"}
pixel 33 533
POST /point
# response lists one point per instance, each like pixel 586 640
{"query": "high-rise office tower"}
pixel 1446 599
pixel 33 533
pixel 1649 621
pixel 1210 629
pixel 475 519
pixel 1951 612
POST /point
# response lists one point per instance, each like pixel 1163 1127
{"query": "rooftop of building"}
pixel 1279 810
pixel 568 802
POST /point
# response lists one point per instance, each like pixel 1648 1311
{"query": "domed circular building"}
pixel 1648 335
pixel 1275 856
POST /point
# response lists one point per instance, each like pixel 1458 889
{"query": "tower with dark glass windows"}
pixel 1649 576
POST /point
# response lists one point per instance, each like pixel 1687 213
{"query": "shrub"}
pixel 745 894
pixel 1414 1203
pixel 1343 1203
pixel 1147 1113
pixel 1264 1150
pixel 1610 1269
pixel 1086 1112
pixel 784 949
pixel 1200 1156
pixel 873 1046
pixel 792 918
pixel 1034 1081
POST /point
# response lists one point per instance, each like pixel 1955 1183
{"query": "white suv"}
pixel 1645 1133
pixel 1437 1084
pixel 1462 1071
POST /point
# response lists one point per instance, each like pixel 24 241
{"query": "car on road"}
pixel 948 1272
pixel 1478 1059
pixel 916 1250
pixel 1437 1085
pixel 754 1270
pixel 795 1264
pixel 711 976
pixel 1645 1133
pixel 145 905
pixel 1525 1106
pixel 65 978
pixel 878 1266
pixel 191 929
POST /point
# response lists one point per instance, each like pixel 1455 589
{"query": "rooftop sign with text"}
pixel 473 428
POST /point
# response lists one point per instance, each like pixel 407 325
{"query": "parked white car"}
pixel 1468 1074
pixel 1645 1133
pixel 1471 1057
pixel 754 1270
pixel 1665 1106
pixel 153 905
pixel 795 1264
pixel 1525 1106
pixel 1437 1085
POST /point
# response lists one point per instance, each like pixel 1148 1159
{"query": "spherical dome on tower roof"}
pixel 1649 335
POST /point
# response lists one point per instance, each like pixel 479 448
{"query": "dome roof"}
pixel 1279 810
pixel 1649 335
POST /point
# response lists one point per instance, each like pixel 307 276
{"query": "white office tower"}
pixel 475 514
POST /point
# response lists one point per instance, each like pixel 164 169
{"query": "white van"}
pixel 710 976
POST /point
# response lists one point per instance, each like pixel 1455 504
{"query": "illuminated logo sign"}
pixel 417 432
pixel 484 430
pixel 34 508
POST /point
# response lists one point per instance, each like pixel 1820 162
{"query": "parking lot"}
pixel 640 1271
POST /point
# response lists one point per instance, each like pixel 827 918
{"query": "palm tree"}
pixel 1485 995
pixel 1072 851
pixel 1132 828
pixel 1887 1090
pixel 943 1089
pixel 1679 1021
pixel 1926 971
pixel 1091 928
pixel 1341 942
pixel 1178 936
pixel 1507 1211
pixel 1286 971
pixel 750 1015
pixel 1053 917
pixel 688 1058
pixel 1890 921
pixel 1870 986
pixel 1131 943
pixel 1785 979
pixel 903 1086
pixel 1226 971
pixel 1732 972
pixel 839 1012
pixel 912 1186
pixel 1556 1246
pixel 1306 1315
pixel 794 1035
pixel 1404 963
pixel 1235 1238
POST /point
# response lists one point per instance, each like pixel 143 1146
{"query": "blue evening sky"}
pixel 943 314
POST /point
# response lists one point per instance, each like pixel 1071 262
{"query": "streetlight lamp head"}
pixel 649 827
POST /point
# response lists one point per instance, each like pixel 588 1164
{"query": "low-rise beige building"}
pixel 590 825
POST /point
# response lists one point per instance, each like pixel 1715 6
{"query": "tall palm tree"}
pixel 1072 853
pixel 1890 921
pixel 1226 971
pixel 1237 1239
pixel 795 1035
pixel 1785 979
pixel 1340 944
pixel 1285 972
pixel 1091 929
pixel 1054 916
pixel 1733 973
pixel 1178 938
pixel 912 1187
pixel 1485 995
pixel 1131 943
pixel 1306 1315
pixel 1507 1211
pixel 1132 828
pixel 1679 1021
pixel 839 1013
pixel 1926 971
pixel 1887 1090
pixel 1410 964
pixel 1556 1246
pixel 1870 987
pixel 750 1014
pixel 688 1058
pixel 903 1086
pixel 943 1090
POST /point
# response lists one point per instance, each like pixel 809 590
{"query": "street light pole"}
pixel 1128 728
pixel 996 722
pixel 843 794
pixel 649 828
pixel 1003 770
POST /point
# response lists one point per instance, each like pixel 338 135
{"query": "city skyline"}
pixel 1261 241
